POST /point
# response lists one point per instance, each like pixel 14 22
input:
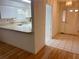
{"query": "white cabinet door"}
pixel 70 24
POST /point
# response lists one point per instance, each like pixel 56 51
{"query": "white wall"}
pixel 39 23
pixel 56 18
pixel 10 9
pixel 8 12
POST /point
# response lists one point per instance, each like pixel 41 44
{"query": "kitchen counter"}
pixel 22 27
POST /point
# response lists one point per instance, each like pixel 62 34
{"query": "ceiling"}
pixel 20 1
pixel 67 0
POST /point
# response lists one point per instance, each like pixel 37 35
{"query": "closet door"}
pixel 70 24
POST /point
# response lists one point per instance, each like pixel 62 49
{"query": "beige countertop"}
pixel 23 27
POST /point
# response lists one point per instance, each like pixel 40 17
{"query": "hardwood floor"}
pixel 10 52
pixel 62 47
pixel 65 42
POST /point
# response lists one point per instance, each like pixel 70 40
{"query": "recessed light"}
pixel 76 10
pixel 70 10
pixel 68 3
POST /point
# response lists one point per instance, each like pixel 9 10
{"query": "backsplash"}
pixel 14 20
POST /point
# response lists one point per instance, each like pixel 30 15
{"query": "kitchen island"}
pixel 23 27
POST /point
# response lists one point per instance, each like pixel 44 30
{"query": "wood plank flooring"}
pixel 10 52
pixel 65 42
pixel 62 47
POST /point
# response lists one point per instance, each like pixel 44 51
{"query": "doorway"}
pixel 69 22
pixel 48 28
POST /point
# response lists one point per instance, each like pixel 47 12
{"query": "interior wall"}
pixel 39 23
pixel 74 6
pixel 55 18
pixel 14 9
pixel 50 2
pixel 78 22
